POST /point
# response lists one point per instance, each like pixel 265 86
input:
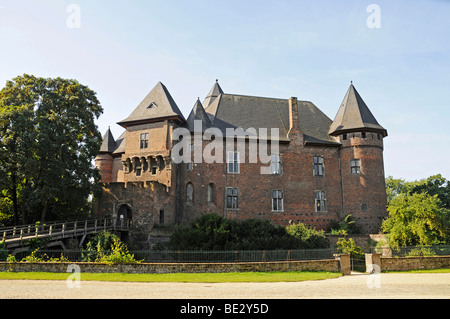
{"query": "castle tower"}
pixel 361 162
pixel 104 159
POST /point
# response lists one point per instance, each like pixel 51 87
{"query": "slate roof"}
pixel 215 91
pixel 108 144
pixel 157 104
pixel 354 115
pixel 198 113
pixel 121 143
pixel 224 111
pixel 233 111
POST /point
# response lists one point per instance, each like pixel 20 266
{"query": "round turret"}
pixel 104 163
pixel 104 159
pixel 363 181
pixel 361 158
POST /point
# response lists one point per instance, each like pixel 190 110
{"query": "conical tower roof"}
pixel 213 93
pixel 158 104
pixel 108 144
pixel 198 113
pixel 354 115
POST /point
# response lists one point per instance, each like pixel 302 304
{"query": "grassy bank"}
pixel 178 277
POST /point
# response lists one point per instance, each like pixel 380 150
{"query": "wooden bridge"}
pixel 20 236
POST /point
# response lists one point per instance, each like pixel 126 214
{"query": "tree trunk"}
pixel 14 199
pixel 44 213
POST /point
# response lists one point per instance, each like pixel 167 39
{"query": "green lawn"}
pixel 179 277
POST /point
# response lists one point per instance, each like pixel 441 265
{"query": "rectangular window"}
pixel 355 166
pixel 318 165
pixel 277 201
pixel 210 194
pixel 144 140
pixel 189 166
pixel 232 198
pixel 321 201
pixel 189 192
pixel 233 162
pixel 276 164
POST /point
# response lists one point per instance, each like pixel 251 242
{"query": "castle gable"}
pixel 157 105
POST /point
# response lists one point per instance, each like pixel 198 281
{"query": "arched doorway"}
pixel 124 212
pixel 124 216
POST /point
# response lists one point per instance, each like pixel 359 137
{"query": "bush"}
pixel 208 232
pixel 213 232
pixel 256 234
pixel 349 247
pixel 308 237
pixel 344 227
pixel 3 251
pixel 38 256
pixel 420 251
pixel 118 255
pixel 107 247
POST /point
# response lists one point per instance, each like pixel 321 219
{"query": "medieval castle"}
pixel 320 170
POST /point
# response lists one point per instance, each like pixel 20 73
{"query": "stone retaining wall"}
pixel 331 265
pixel 411 263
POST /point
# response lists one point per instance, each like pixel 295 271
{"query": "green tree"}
pixel 16 141
pixel 395 187
pixel 48 140
pixel 434 185
pixel 416 219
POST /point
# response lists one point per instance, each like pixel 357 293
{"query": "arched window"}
pixel 189 193
pixel 211 194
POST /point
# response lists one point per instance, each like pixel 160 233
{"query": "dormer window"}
pixel 152 105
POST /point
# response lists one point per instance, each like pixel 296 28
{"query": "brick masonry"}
pixel 159 195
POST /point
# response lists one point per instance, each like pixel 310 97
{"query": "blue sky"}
pixel 308 49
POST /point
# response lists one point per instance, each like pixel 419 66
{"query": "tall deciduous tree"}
pixel 48 139
pixel 416 219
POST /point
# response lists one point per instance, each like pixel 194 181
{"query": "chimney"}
pixel 295 135
pixel 293 116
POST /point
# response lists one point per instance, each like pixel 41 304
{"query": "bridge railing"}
pixel 63 229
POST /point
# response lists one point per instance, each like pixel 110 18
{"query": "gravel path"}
pixel 388 286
